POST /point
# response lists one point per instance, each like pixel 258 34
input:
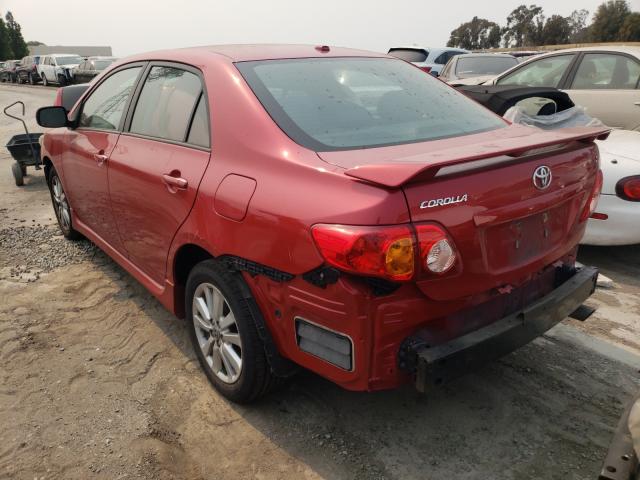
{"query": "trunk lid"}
pixel 505 228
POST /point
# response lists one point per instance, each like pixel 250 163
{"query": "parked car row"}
pixel 54 69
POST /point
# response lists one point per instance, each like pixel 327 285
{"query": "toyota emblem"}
pixel 542 177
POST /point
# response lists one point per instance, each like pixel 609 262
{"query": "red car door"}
pixel 89 147
pixel 155 169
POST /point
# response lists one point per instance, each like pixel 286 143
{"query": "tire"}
pixel 60 204
pixel 45 82
pixel 24 170
pixel 16 169
pixel 254 378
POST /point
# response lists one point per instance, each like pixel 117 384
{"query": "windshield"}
pixel 102 64
pixel 68 60
pixel 346 103
pixel 476 66
pixel 410 54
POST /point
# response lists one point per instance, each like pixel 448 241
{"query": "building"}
pixel 82 51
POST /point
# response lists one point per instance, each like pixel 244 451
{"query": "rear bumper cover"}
pixel 435 365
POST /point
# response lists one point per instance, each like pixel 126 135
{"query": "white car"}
pixel 476 68
pixel 619 204
pixel 58 68
pixel 430 60
pixel 604 80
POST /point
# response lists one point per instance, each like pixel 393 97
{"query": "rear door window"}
pixel 544 72
pixel 167 103
pixel 606 71
pixel 415 55
pixel 104 108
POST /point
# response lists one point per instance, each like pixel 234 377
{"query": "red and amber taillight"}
pixel 395 253
pixel 628 188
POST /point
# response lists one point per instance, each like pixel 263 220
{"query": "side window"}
pixel 442 59
pixel 606 71
pixel 105 106
pixel 544 72
pixel 166 103
pixel 199 132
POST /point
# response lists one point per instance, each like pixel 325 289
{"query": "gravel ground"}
pixel 97 380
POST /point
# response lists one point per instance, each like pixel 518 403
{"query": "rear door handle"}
pixel 100 158
pixel 177 182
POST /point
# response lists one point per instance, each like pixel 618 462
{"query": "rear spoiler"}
pixel 427 165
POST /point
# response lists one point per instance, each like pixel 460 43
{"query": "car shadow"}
pixel 547 410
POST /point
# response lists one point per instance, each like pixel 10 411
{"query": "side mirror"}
pixel 52 117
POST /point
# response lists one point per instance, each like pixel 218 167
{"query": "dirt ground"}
pixel 97 380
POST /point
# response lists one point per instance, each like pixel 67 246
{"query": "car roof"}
pixel 633 50
pixel 484 54
pixel 250 52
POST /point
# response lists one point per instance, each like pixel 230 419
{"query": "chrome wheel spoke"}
pixel 232 338
pixel 217 332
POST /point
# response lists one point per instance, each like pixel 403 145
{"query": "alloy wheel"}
pixel 217 332
pixel 61 204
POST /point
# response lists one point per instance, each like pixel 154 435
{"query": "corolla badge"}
pixel 542 177
pixel 441 202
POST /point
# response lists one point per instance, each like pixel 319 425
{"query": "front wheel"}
pixel 61 207
pixel 224 333
pixel 18 176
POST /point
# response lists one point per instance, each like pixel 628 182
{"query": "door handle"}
pixel 100 158
pixel 637 104
pixel 177 182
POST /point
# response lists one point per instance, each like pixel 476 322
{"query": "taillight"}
pixel 394 252
pixel 437 252
pixel 58 100
pixel 628 188
pixel 591 205
pixel 425 69
pixel 386 252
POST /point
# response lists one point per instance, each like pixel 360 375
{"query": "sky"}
pixel 134 26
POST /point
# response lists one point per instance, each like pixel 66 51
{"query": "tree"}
pixel 608 21
pixel 578 24
pixel 630 31
pixel 16 42
pixel 34 43
pixel 5 48
pixel 478 34
pixel 556 31
pixel 524 27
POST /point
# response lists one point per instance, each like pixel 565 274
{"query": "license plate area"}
pixel 517 242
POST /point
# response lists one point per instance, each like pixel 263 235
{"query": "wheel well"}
pixel 187 257
pixel 46 162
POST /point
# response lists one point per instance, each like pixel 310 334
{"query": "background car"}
pixel 90 68
pixel 604 80
pixel 431 60
pixel 27 72
pixel 58 68
pixel 8 72
pixel 476 68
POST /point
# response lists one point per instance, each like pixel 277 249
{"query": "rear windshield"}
pixel 346 103
pixel 474 66
pixel 410 54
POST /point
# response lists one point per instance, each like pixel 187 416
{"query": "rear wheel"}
pixel 18 177
pixel 224 334
pixel 61 206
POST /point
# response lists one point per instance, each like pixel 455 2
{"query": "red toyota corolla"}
pixel 333 209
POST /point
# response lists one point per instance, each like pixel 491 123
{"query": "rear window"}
pixel 473 66
pixel 410 54
pixel 347 103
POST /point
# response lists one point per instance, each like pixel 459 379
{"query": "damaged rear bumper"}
pixel 436 365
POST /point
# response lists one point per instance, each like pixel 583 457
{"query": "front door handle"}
pixel 176 182
pixel 100 158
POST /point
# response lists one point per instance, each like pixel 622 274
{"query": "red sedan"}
pixel 328 208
